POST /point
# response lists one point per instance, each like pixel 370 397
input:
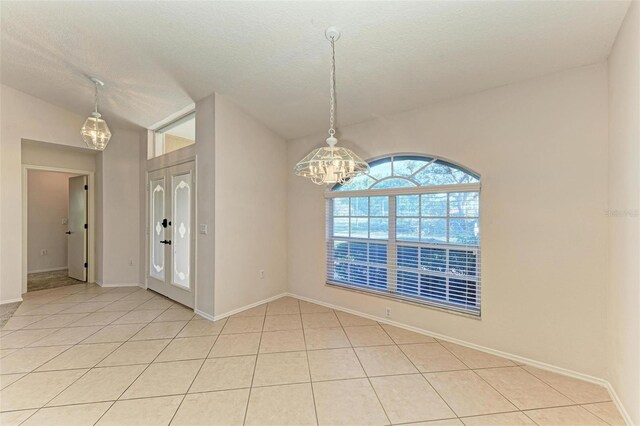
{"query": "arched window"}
pixel 408 229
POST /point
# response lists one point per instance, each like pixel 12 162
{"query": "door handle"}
pixel 166 222
pixel 68 232
pixel 166 242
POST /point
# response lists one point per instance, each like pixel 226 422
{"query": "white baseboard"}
pixel 204 315
pixel 5 302
pixel 244 308
pixel 118 284
pixel 618 403
pixel 61 268
pixel 517 358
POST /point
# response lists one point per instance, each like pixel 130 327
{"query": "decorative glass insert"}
pixel 419 241
pixel 157 231
pixel 181 238
pixel 406 171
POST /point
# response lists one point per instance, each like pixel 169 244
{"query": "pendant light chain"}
pixel 96 99
pixel 331 164
pixel 332 91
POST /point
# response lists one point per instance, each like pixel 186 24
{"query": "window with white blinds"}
pixel 408 229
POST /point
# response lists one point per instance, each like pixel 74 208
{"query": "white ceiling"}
pixel 272 57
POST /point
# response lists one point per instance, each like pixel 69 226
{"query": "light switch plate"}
pixel 203 229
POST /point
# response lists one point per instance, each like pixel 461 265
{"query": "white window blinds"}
pixel 420 243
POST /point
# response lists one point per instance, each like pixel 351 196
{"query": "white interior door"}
pixel 171 234
pixel 77 228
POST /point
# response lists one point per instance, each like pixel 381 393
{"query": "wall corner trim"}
pixel 616 400
pixel 517 358
pixel 204 314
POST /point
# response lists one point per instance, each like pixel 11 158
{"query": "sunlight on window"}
pixel 418 241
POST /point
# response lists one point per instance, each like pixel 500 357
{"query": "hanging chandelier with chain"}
pixel 331 164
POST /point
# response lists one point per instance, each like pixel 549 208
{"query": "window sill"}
pixel 401 299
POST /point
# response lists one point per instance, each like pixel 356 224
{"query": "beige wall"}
pixel 541 148
pixel 202 153
pixel 47 206
pixel 24 117
pixel 56 156
pixel 118 174
pixel 250 209
pixel 623 327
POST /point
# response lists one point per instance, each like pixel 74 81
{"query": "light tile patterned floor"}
pixel 121 356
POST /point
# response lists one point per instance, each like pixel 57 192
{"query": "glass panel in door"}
pixel 181 231
pixel 171 248
pixel 157 227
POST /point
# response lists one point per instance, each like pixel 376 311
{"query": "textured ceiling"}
pixel 272 57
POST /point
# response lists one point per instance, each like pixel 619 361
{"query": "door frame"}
pixel 165 169
pixel 91 269
pixel 164 164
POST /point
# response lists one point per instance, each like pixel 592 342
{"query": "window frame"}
pixel 156 140
pixel 392 243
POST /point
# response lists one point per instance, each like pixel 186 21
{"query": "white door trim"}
pixel 91 258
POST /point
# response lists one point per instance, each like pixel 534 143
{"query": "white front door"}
pixel 77 228
pixel 171 234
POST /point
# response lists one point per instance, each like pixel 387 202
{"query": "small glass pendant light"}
pixel 95 132
pixel 329 165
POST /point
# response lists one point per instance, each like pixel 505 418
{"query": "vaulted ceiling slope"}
pixel 272 57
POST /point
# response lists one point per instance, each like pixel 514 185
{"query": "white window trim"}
pixel 392 243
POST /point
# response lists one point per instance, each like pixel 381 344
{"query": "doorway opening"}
pixel 57 228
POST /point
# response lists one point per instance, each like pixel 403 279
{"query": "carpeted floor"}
pixel 6 311
pixel 52 279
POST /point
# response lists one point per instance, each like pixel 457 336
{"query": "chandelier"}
pixel 328 165
pixel 95 131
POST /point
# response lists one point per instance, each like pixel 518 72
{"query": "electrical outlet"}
pixel 261 272
pixel 44 252
pixel 387 312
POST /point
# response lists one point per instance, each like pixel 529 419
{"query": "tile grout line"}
pixel 197 373
pixel 80 377
pixel 66 387
pixel 175 337
pixel 255 366
pixel 479 376
pixel 514 366
pixel 554 388
pixel 420 373
pixel 518 409
pixel 86 372
pixel 286 384
pixel 35 370
pixel 306 353
pixel 144 369
pixel 363 369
